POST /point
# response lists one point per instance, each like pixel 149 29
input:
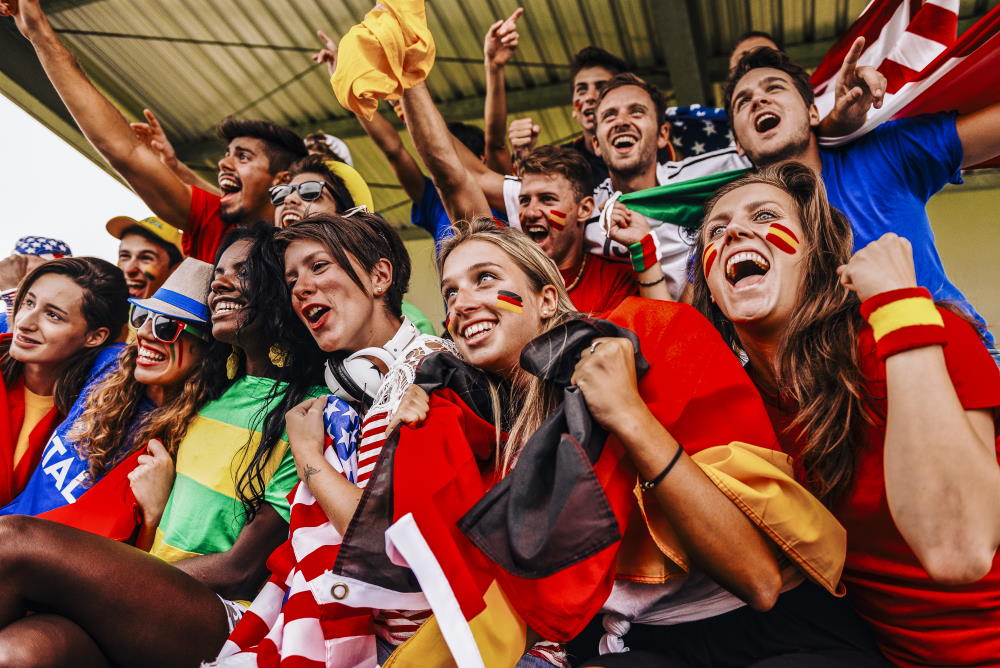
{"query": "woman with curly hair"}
pixel 887 401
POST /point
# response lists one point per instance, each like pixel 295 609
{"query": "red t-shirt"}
pixel 917 622
pixel 603 286
pixel 205 228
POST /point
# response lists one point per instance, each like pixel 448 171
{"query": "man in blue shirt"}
pixel 881 181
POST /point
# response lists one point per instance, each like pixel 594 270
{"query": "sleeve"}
pixel 973 371
pixel 202 217
pixel 925 150
pixel 511 194
pixel 428 210
pixel 281 483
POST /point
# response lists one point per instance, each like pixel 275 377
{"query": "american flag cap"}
pixel 42 246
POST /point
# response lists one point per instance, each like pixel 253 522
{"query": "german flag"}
pixel 556 218
pixel 510 301
pixel 782 238
pixel 711 253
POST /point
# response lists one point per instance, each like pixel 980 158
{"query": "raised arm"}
pixel 102 124
pixel 858 89
pixel 461 194
pixel 500 44
pixel 979 133
pixel 152 135
pixel 942 480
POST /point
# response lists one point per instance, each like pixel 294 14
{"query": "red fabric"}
pixel 13 479
pixel 108 508
pixel 602 287
pixel 205 227
pixel 917 622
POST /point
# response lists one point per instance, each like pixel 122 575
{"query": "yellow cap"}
pixel 354 182
pixel 156 226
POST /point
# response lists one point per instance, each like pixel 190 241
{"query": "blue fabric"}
pixel 4 324
pixel 882 183
pixel 60 477
pixel 42 246
pixel 429 214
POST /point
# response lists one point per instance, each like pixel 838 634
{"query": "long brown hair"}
pixel 104 304
pixel 816 364
pixel 537 398
pixel 105 428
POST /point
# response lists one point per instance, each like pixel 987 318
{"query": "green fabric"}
pixel 417 317
pixel 681 203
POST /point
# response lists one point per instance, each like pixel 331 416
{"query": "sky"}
pixel 48 189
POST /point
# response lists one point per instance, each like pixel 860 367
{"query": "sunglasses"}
pixel 165 328
pixel 309 191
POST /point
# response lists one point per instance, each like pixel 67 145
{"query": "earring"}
pixel 233 364
pixel 277 355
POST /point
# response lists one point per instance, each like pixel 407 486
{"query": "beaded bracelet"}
pixel 643 253
pixel 903 319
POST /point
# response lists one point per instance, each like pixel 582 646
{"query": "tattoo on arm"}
pixel 309 471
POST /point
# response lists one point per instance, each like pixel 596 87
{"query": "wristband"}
pixel 662 278
pixel 643 253
pixel 647 485
pixel 903 319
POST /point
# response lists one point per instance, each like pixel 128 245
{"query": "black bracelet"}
pixel 652 283
pixel 647 485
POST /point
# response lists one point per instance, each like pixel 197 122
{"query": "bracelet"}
pixel 647 485
pixel 903 319
pixel 643 253
pixel 652 283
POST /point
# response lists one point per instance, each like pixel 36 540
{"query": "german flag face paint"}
pixel 448 324
pixel 708 259
pixel 782 238
pixel 510 301
pixel 557 219
pixel 150 276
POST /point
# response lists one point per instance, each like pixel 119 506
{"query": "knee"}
pixel 16 655
pixel 20 536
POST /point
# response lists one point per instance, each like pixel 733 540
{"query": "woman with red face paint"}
pixel 66 312
pixel 887 402
pixel 733 602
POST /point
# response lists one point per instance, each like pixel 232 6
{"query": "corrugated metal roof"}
pixel 195 61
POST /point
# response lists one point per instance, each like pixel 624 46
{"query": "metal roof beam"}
pixel 681 50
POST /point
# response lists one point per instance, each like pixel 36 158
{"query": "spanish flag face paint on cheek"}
pixel 510 301
pixel 782 238
pixel 708 259
pixel 557 219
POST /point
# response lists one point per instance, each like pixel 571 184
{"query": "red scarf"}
pixel 14 478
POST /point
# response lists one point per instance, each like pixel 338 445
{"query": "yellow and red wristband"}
pixel 903 319
pixel 643 254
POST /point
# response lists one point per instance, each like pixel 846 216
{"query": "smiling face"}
pixel 225 299
pixel 294 209
pixel 587 86
pixel 487 326
pixel 244 177
pixel 165 364
pixel 145 264
pixel 628 132
pixel 754 270
pixel 771 121
pixel 552 217
pixel 49 327
pixel 338 313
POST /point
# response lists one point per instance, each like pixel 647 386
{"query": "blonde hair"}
pixel 537 398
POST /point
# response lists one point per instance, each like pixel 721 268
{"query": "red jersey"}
pixel 917 622
pixel 205 227
pixel 602 287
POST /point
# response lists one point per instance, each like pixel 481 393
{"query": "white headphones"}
pixel 358 376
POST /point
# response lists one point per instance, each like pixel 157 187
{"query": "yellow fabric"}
pixel 761 484
pixel 35 408
pixel 904 313
pixel 354 182
pixel 389 51
pixel 500 633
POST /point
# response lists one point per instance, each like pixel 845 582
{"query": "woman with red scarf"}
pixel 66 311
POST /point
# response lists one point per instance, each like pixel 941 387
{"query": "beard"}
pixel 633 165
pixel 793 148
pixel 232 216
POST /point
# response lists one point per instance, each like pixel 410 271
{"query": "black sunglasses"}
pixel 165 328
pixel 309 191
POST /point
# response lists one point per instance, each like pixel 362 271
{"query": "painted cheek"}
pixel 556 218
pixel 510 301
pixel 708 259
pixel 782 238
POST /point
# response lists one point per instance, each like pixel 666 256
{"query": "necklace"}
pixel 579 274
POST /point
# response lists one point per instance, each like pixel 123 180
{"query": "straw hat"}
pixel 184 295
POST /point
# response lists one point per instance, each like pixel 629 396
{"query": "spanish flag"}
pixel 782 238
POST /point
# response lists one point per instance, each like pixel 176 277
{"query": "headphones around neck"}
pixel 358 376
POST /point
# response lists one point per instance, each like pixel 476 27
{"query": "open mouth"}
pixel 224 306
pixel 136 288
pixel 538 233
pixel 27 340
pixel 148 356
pixel 315 314
pixel 624 142
pixel 766 122
pixel 745 265
pixel 290 217
pixel 477 331
pixel 229 184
